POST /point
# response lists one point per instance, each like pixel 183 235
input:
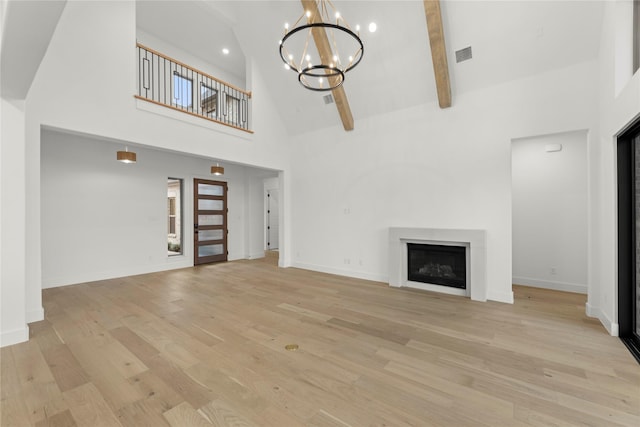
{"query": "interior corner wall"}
pixel 618 106
pixel 13 317
pixel 550 212
pixel 430 168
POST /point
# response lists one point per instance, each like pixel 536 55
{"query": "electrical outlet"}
pixel 553 271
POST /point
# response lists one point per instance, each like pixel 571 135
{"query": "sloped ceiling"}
pixel 509 40
pixel 27 28
pixel 196 28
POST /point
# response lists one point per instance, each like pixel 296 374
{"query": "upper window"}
pixel 208 100
pixel 182 91
pixel 233 109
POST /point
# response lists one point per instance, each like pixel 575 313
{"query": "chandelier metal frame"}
pixel 333 71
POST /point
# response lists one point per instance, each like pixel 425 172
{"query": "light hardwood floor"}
pixel 205 346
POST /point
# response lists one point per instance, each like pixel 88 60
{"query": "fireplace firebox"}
pixel 437 264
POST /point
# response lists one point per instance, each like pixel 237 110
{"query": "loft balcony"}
pixel 165 81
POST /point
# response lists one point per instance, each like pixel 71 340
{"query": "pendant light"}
pixel 217 170
pixel 126 156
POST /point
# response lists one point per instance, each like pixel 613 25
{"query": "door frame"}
pixel 197 260
pixel 626 190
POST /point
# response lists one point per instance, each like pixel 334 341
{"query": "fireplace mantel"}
pixel 474 239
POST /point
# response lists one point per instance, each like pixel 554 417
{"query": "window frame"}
pixel 209 112
pixel 178 215
pixel 232 105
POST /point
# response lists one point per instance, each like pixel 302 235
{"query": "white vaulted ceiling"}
pixel 27 27
pixel 194 27
pixel 509 39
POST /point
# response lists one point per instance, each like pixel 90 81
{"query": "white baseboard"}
pixel 14 336
pixel 547 284
pixel 612 327
pixel 35 315
pixel 505 297
pixel 256 255
pixel 341 272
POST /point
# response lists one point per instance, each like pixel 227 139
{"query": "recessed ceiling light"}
pixel 225 51
pixel 373 27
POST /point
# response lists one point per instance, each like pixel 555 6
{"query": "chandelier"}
pixel 339 48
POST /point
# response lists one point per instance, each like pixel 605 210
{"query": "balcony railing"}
pixel 168 82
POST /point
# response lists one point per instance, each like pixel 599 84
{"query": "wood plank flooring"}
pixel 206 346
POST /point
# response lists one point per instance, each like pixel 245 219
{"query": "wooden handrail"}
pixel 195 70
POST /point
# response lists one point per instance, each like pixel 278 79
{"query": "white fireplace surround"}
pixel 473 240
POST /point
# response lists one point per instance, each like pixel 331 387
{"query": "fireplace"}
pixel 443 265
pixel 472 243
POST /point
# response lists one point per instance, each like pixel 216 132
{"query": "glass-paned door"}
pixel 210 221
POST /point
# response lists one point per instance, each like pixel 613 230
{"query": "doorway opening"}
pixel 550 211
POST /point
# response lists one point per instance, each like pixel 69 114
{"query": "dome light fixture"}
pixel 340 47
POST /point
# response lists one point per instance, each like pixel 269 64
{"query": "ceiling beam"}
pixel 438 51
pixel 326 54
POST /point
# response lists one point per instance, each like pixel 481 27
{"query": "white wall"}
pixel 619 104
pixel 256 224
pixel 103 219
pixel 427 167
pixel 13 316
pixel 550 212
